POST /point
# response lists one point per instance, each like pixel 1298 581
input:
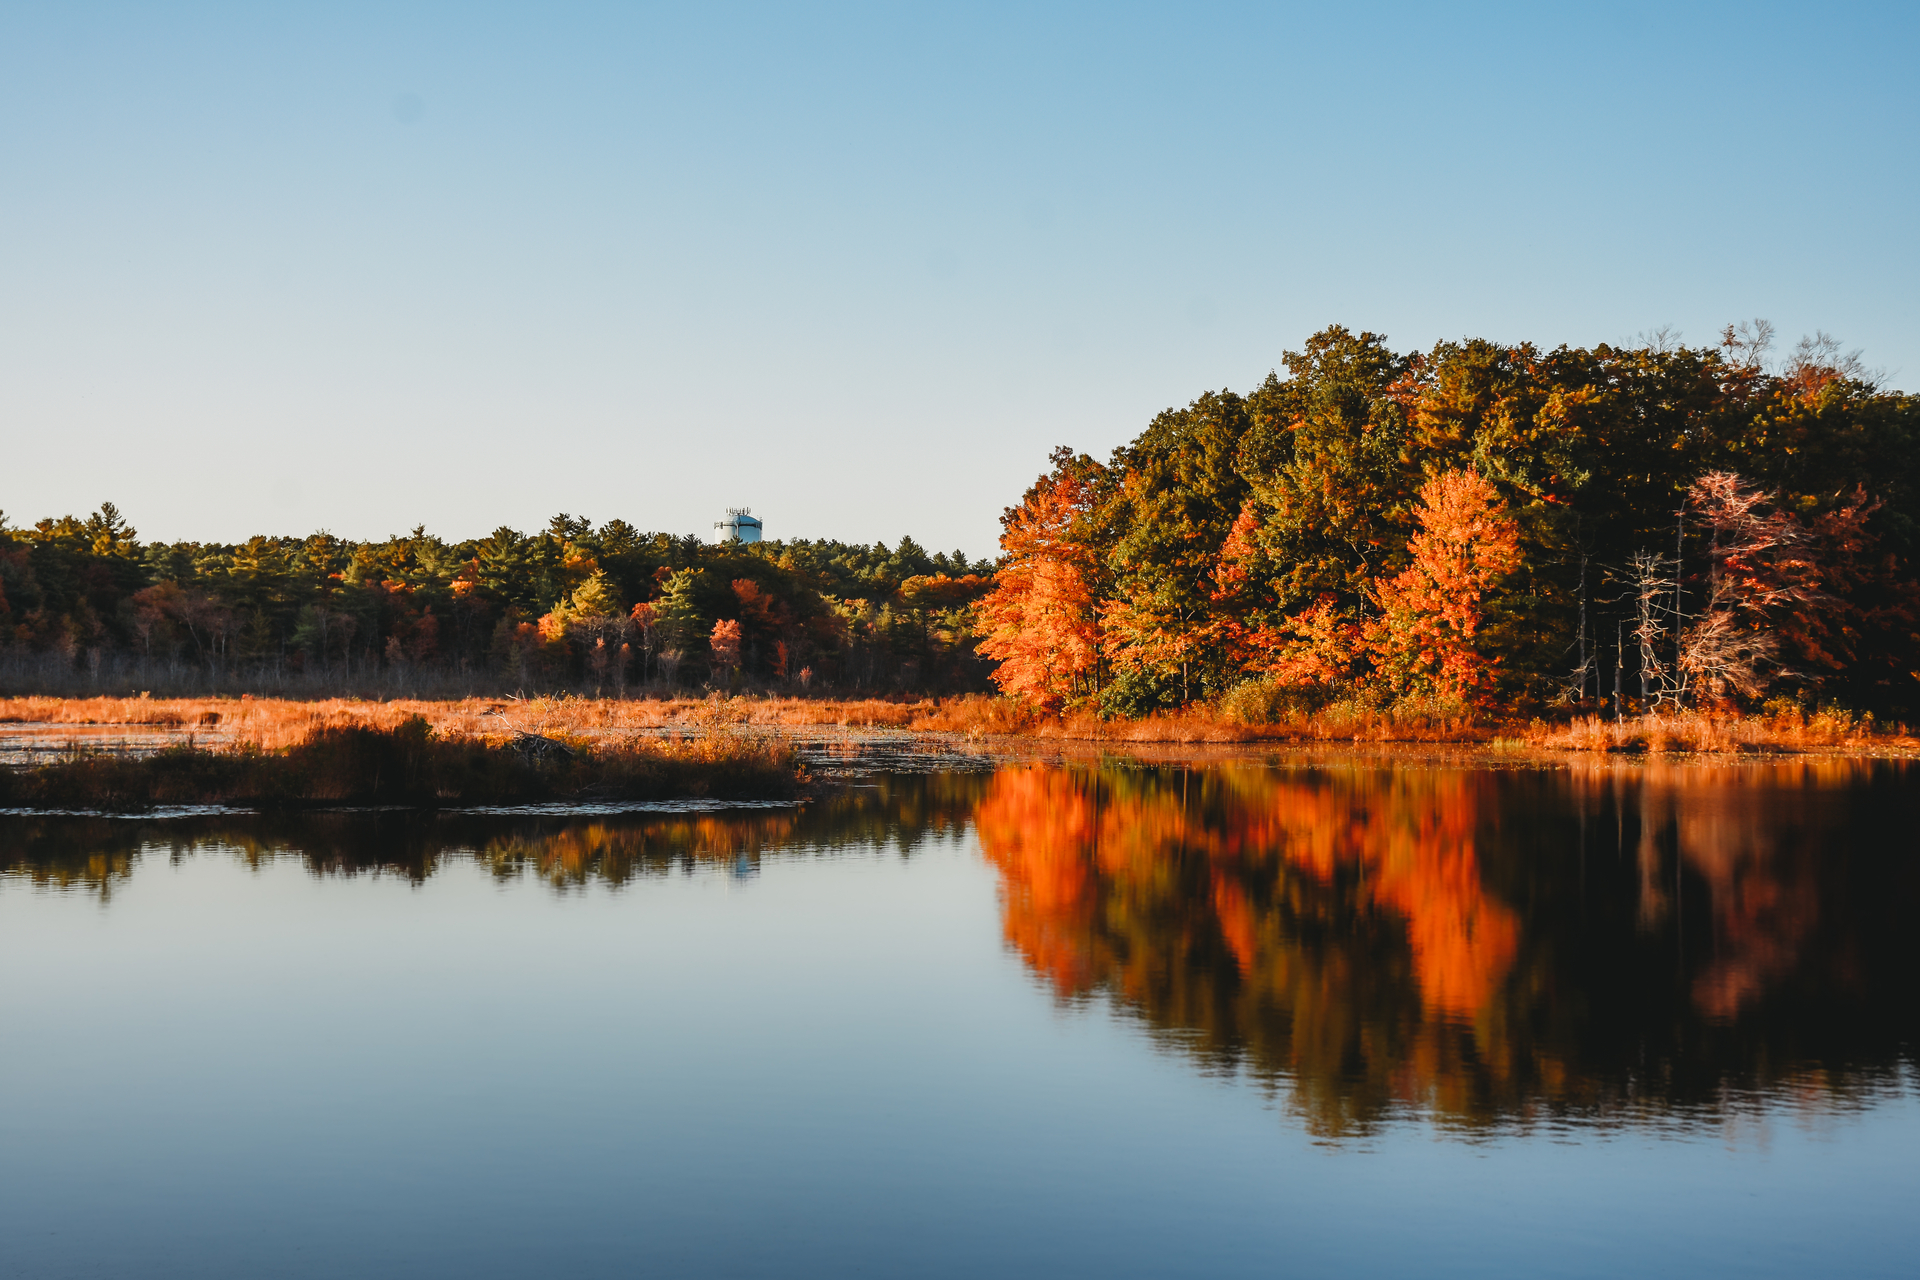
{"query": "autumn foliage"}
pixel 1039 621
pixel 86 607
pixel 1064 845
pixel 1372 939
pixel 1481 529
pixel 1430 613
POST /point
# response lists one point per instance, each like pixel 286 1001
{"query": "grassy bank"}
pixel 409 763
pixel 273 723
pixel 1779 728
pixel 1785 729
pixel 1251 715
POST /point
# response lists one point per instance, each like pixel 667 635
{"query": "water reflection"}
pixel 1483 947
pixel 1486 948
pixel 98 855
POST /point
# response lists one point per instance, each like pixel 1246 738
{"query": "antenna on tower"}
pixel 741 525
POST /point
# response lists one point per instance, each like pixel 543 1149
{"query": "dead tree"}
pixel 1761 564
pixel 1652 584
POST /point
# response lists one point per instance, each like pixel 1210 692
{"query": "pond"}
pixel 1235 1017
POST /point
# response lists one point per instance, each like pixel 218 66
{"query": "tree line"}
pixel 84 604
pixel 1627 527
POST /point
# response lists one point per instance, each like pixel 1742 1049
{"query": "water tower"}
pixel 741 525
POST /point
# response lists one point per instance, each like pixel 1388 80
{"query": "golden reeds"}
pixel 409 763
pixel 979 716
pixel 273 724
pixel 1775 729
pixel 276 723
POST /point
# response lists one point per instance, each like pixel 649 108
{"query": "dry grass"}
pixel 277 723
pixel 978 716
pixel 1777 729
pixel 1782 727
pixel 410 763
pixel 274 724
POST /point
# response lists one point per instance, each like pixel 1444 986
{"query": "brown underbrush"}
pixel 409 763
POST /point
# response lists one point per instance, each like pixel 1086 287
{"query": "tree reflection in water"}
pixel 1596 945
pixel 98 854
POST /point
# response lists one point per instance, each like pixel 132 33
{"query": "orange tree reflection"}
pixel 1476 945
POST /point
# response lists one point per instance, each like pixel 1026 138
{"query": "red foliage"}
pixel 724 646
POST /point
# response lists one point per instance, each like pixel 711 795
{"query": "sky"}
pixel 280 268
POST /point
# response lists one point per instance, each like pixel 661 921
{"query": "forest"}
pixel 1478 529
pixel 1482 526
pixel 85 606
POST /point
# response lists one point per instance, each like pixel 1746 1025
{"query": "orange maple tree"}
pixel 724 647
pixel 1040 620
pixel 1430 612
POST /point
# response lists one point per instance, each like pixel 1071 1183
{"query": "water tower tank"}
pixel 741 525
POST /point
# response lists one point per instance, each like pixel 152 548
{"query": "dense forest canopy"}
pixel 1483 524
pixel 1480 525
pixel 85 602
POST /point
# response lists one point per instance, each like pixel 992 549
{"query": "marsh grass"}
pixel 1252 713
pixel 980 716
pixel 410 763
pixel 277 723
pixel 1779 727
pixel 1255 712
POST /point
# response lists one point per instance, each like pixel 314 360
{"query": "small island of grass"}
pixel 411 764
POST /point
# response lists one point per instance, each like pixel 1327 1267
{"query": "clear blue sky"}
pixel 270 268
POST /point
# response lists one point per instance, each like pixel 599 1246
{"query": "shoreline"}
pixel 196 782
pixel 411 765
pixel 270 724
pixel 595 756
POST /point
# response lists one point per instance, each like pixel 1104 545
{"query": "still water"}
pixel 1118 1020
